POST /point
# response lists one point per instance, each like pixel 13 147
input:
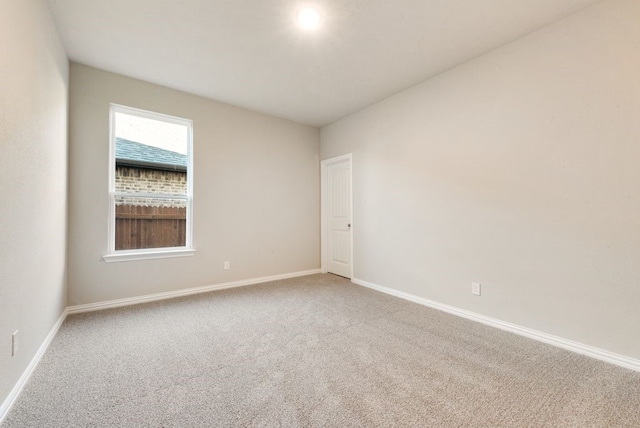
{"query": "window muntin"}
pixel 150 184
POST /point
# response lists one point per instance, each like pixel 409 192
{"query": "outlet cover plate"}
pixel 14 343
pixel 475 288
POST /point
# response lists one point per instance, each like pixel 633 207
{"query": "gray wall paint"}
pixel 33 179
pixel 256 192
pixel 520 170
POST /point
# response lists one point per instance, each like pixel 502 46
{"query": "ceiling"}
pixel 250 53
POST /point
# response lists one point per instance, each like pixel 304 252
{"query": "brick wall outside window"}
pixel 129 180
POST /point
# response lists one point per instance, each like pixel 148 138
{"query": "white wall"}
pixel 256 192
pixel 519 169
pixel 33 181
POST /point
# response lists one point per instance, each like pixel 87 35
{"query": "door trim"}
pixel 324 218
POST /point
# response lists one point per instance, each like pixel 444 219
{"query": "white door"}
pixel 338 220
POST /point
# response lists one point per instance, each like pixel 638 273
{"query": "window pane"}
pixel 150 190
pixel 151 155
pixel 150 223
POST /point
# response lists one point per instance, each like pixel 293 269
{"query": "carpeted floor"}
pixel 312 351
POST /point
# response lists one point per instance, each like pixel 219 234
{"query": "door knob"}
pixel 349 225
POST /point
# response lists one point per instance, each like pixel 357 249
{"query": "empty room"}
pixel 418 213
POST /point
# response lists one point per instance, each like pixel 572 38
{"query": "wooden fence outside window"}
pixel 139 227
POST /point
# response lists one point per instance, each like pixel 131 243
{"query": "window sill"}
pixel 127 256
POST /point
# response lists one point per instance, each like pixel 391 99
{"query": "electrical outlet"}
pixel 227 265
pixel 475 288
pixel 14 343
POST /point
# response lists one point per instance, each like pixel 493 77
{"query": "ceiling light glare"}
pixel 308 18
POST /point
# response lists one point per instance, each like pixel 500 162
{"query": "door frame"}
pixel 324 217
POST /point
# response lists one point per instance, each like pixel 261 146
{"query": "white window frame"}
pixel 114 255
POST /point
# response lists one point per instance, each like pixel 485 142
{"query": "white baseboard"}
pixel 590 351
pixel 15 392
pixel 185 292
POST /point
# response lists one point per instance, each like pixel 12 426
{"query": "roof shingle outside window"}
pixel 130 153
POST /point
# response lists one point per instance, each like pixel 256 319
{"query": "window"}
pixel 150 185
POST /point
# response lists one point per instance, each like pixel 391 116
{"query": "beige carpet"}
pixel 313 351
